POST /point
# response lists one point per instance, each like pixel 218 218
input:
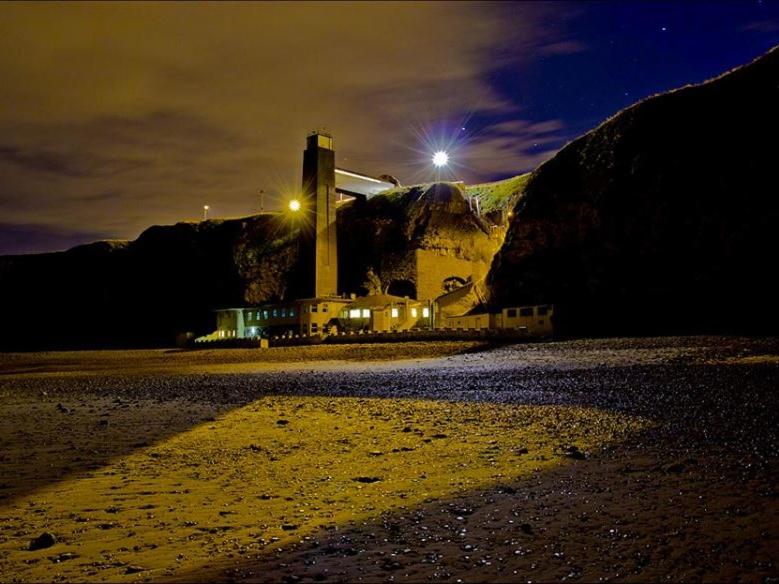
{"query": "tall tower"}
pixel 319 243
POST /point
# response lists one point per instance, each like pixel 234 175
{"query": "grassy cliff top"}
pixel 498 194
pixel 493 195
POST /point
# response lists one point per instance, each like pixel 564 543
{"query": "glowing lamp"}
pixel 440 158
pixel 294 205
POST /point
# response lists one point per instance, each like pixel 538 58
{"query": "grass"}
pixel 499 194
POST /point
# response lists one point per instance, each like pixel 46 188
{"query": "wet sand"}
pixel 626 459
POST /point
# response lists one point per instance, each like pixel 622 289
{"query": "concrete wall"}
pixel 433 268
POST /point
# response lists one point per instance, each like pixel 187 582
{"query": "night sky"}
pixel 115 117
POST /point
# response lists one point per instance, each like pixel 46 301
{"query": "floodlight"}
pixel 440 158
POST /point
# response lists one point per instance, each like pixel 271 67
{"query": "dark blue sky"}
pixel 116 116
pixel 630 50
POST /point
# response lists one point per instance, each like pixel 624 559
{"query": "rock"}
pixel 134 569
pixel 63 557
pixel 572 451
pixel 44 540
pixel 282 422
pixel 674 468
pixel 662 206
pixel 367 479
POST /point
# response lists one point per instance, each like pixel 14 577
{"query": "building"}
pixel 535 320
pixel 304 317
pixel 318 235
pixel 385 313
pixel 322 311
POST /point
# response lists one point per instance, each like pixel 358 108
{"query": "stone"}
pixel 134 569
pixel 44 540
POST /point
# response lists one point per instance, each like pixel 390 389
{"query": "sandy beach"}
pixel 615 459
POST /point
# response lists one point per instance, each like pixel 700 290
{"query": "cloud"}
pixel 68 164
pixel 174 105
pixel 764 26
pixel 33 238
pixel 565 47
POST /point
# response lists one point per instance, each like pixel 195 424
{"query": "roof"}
pixel 359 183
pixel 319 299
pixel 380 300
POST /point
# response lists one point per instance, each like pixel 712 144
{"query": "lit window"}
pixel 292 312
pixel 413 313
pixel 265 314
pixel 425 312
pixel 283 313
pixel 275 313
pixel 395 313
pixel 366 313
pixel 354 313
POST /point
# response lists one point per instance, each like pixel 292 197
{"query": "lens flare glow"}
pixel 294 205
pixel 440 158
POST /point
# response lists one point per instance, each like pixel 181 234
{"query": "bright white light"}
pixel 440 158
pixel 294 205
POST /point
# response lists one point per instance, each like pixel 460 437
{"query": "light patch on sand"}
pixel 748 360
pixel 279 470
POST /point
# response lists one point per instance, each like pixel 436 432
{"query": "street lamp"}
pixel 440 159
pixel 205 212
pixel 294 205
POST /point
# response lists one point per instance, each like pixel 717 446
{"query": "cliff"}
pixel 661 219
pixel 144 292
pixel 420 239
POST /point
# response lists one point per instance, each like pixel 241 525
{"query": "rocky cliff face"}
pixel 170 279
pixel 661 219
pixel 416 238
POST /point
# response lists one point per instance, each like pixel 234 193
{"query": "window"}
pixel 526 311
pixel 542 310
pixel 314 308
pixel 324 308
pixel 413 313
pixel 314 327
pixel 511 313
pixel 354 313
pixel 366 313
pixel 426 312
pixel 395 313
pixel 292 312
pixel 283 313
pixel 275 313
pixel 265 314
